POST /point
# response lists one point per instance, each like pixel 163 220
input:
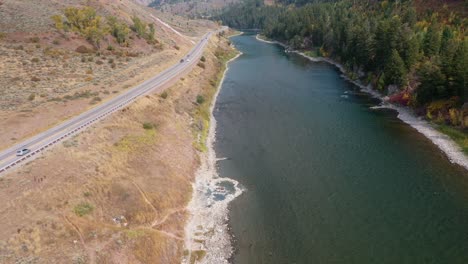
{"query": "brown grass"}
pixel 125 170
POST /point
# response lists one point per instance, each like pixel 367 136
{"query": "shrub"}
pixel 89 71
pixel 99 62
pixel 55 99
pixel 83 209
pixel 110 61
pixel 34 39
pixel 132 54
pixel 201 65
pixel 82 94
pixel 83 59
pixel 2 35
pixel 176 47
pixel 164 95
pixel 38 46
pixel 148 126
pixel 113 65
pixel 56 42
pixel 35 79
pixel 83 49
pixel 203 59
pixel 31 97
pixel 96 100
pixel 150 35
pixel 90 59
pixel 200 99
pixel 110 48
pixel 35 60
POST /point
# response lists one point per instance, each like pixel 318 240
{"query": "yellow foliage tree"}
pixel 85 22
pixel 58 21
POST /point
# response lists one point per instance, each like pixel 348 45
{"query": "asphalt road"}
pixel 73 126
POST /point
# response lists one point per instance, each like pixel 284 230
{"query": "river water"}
pixel 327 179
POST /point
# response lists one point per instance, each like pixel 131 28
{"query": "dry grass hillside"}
pixel 192 8
pixel 48 74
pixel 117 192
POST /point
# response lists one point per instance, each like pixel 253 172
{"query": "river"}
pixel 327 179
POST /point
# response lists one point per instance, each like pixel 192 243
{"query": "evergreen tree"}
pixel 460 70
pixel 432 40
pixel 395 70
pixel 432 85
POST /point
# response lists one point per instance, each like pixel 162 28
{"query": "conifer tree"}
pixel 395 70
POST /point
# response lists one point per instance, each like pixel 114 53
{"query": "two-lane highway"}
pixel 46 139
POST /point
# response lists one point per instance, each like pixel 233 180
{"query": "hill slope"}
pixel 192 8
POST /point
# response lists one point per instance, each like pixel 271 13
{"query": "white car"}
pixel 22 152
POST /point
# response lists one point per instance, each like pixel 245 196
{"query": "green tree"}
pixel 447 36
pixel 151 32
pixel 118 30
pixel 410 49
pixel 395 70
pixel 432 83
pixel 94 34
pixel 432 40
pixel 139 27
pixel 460 70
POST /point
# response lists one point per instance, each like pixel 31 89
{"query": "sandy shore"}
pixel 444 142
pixel 207 238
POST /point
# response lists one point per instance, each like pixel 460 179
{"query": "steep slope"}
pixel 192 8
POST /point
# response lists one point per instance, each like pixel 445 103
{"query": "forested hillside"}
pixel 412 51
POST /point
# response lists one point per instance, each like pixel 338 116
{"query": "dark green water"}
pixel 329 180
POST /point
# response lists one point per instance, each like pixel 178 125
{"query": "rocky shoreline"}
pixel 207 239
